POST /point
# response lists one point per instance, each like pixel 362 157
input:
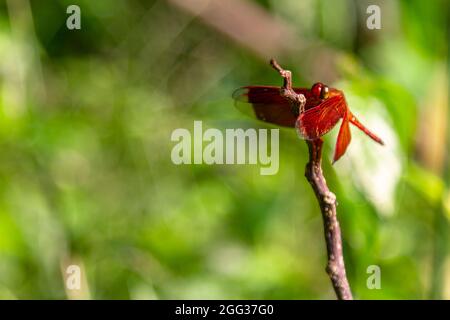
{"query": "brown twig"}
pixel 327 200
pixel 247 24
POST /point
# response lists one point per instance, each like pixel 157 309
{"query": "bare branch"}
pixel 247 24
pixel 327 200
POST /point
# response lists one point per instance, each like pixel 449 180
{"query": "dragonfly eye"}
pixel 316 89
pixel 324 92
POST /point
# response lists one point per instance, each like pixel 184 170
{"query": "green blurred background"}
pixel 86 176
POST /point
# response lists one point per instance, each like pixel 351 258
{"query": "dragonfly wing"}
pixel 343 139
pixel 317 121
pixel 266 104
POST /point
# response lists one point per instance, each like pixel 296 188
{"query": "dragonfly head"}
pixel 320 91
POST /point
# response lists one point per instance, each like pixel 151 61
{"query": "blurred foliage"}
pixel 86 177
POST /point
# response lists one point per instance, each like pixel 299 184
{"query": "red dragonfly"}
pixel 324 108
